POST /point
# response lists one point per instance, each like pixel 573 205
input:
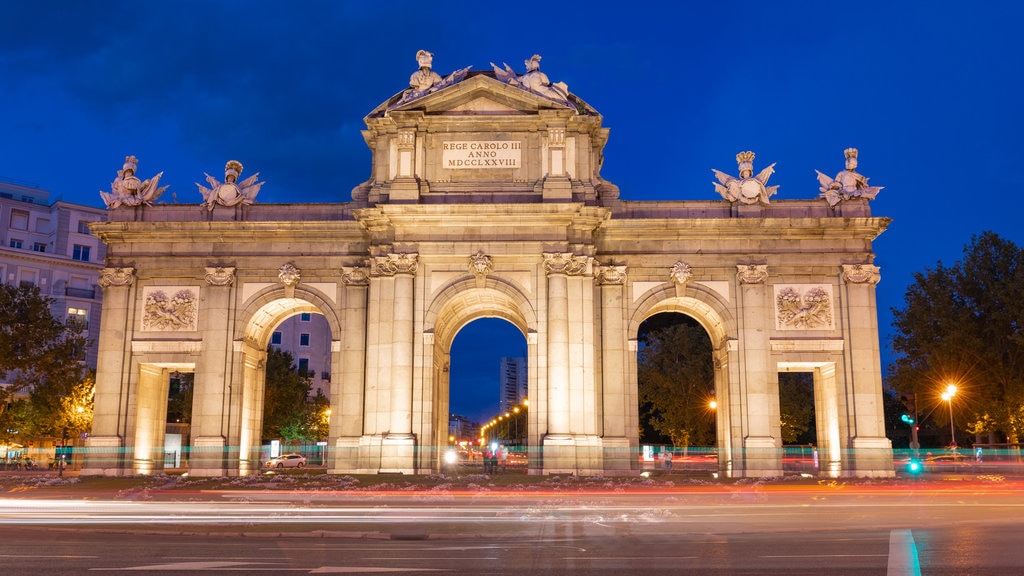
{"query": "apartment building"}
pixel 49 245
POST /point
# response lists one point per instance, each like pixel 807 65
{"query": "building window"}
pixel 80 253
pixel 83 227
pixel 19 219
pixel 28 278
pixel 303 339
pixel 15 243
pixel 275 338
pixel 303 366
pixel 43 225
pixel 39 247
pixel 305 317
pixel 78 318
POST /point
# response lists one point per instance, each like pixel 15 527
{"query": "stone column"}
pixel 212 409
pixel 872 451
pixel 560 440
pixel 759 381
pixel 103 456
pixel 619 410
pixel 150 420
pixel 347 415
pixel 402 361
pixel 391 358
pixel 556 266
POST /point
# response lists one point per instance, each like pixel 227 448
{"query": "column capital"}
pixel 610 275
pixel 220 275
pixel 751 273
pixel 861 274
pixel 392 264
pixel 566 264
pixel 117 277
pixel 355 275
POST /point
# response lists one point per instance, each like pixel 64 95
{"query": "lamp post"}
pixel 948 397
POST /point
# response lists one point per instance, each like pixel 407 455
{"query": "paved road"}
pixel 886 530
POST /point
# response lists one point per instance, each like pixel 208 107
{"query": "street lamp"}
pixel 948 397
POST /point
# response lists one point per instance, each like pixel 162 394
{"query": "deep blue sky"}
pixel 930 92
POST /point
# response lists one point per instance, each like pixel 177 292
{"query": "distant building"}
pixel 50 246
pixel 512 384
pixel 462 429
pixel 308 338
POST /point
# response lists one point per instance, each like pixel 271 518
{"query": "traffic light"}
pixel 908 419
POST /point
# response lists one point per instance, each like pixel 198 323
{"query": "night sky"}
pixel 929 92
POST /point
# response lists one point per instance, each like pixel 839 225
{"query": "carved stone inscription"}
pixel 171 308
pixel 804 307
pixel 461 154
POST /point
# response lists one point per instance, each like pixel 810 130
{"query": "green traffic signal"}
pixel 914 466
pixel 908 418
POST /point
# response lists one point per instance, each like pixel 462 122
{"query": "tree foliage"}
pixel 675 374
pixel 796 407
pixel 964 325
pixel 286 406
pixel 38 353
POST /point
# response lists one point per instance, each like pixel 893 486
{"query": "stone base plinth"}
pixel 207 457
pixel 103 456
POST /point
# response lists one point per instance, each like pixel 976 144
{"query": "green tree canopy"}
pixel 675 376
pixel 37 351
pixel 285 401
pixel 964 325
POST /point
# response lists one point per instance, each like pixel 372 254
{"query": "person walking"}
pixel 502 458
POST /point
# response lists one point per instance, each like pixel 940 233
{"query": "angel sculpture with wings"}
pixel 848 184
pixel 231 192
pixel 128 190
pixel 745 189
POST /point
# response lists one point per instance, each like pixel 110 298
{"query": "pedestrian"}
pixel 487 459
pixel 666 456
pixel 494 459
pixel 502 458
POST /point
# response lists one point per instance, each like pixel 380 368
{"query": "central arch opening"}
pixel 676 394
pixel 488 394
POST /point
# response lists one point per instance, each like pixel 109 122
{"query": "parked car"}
pixel 287 461
pixel 950 462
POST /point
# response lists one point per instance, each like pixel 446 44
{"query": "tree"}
pixel 285 409
pixel 179 397
pixel 964 325
pixel 54 408
pixel 796 407
pixel 36 349
pixel 675 374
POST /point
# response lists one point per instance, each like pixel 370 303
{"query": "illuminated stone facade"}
pixel 485 200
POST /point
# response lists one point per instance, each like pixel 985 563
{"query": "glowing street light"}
pixel 948 397
pixel 713 405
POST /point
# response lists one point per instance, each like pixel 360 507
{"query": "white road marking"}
pixel 903 560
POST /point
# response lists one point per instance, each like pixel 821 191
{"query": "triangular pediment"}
pixel 478 94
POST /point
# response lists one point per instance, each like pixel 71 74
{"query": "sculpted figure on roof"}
pixel 231 192
pixel 425 80
pixel 534 81
pixel 128 190
pixel 747 189
pixel 848 184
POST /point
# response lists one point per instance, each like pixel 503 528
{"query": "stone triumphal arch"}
pixel 485 200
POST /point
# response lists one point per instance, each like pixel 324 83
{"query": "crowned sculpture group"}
pixel 750 189
pixel 128 191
